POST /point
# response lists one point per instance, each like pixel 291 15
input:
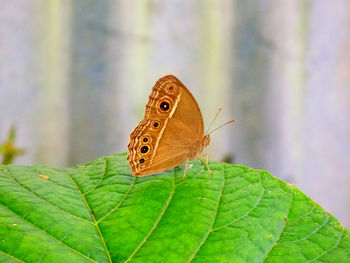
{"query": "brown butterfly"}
pixel 172 131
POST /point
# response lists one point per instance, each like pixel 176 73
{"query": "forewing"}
pixel 177 134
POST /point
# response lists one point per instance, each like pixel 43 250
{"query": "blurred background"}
pixel 75 76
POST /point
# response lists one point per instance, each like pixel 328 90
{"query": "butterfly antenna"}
pixel 216 115
pixel 231 121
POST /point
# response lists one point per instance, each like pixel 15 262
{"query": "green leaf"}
pixel 100 212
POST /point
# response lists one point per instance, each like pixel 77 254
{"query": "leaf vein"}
pixel 310 234
pixel 283 228
pixel 48 234
pixel 157 221
pixel 257 202
pixel 46 201
pixel 333 247
pixel 121 201
pixel 11 256
pixel 101 179
pixel 92 215
pixel 210 230
pixel 35 169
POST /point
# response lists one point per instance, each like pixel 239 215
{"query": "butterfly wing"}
pixel 171 132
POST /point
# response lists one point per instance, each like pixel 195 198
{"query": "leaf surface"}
pixel 100 212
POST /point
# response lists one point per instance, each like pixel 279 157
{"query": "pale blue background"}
pixel 75 76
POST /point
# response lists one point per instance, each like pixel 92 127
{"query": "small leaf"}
pixel 8 149
pixel 100 212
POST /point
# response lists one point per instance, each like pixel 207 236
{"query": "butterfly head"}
pixel 206 141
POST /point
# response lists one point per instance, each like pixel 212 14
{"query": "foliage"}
pixel 8 149
pixel 99 212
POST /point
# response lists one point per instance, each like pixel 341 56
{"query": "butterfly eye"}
pixel 156 124
pixel 164 106
pixel 142 160
pixel 144 149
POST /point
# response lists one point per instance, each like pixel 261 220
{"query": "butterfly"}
pixel 171 133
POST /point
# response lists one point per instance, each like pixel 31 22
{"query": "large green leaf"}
pixel 99 212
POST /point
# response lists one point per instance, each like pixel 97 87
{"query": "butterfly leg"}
pixel 183 178
pixel 207 163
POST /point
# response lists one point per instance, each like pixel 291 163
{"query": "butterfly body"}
pixel 172 131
